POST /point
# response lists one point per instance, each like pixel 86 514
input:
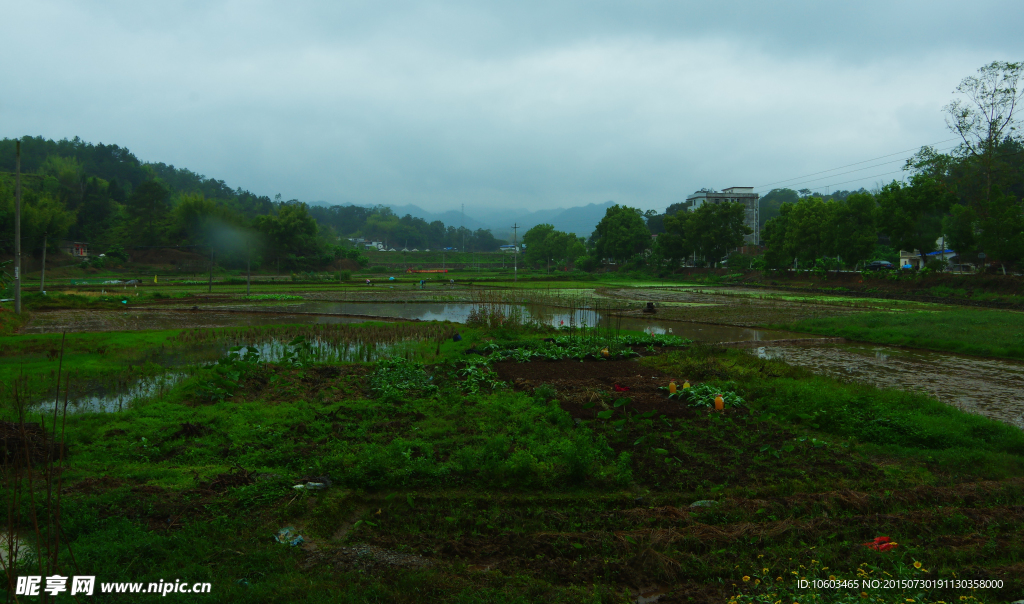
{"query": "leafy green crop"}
pixel 396 379
pixel 568 347
pixel 703 395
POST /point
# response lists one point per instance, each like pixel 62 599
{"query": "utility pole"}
pixel 463 229
pixel 17 227
pixel 248 273
pixel 211 270
pixel 515 252
pixel 42 273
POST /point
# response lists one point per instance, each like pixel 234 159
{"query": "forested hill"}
pixel 105 195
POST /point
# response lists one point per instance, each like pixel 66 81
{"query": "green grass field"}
pixel 456 481
pixel 982 332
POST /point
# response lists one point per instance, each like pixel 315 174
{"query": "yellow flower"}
pixel 778 578
pixel 759 556
pixel 764 570
pixel 746 578
pixel 757 581
pixel 917 565
pixel 863 594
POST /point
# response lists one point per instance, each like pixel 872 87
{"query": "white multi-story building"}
pixel 744 195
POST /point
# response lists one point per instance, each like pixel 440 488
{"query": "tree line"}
pixel 969 199
pixel 104 195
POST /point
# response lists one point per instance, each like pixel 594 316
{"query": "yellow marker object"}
pixel 686 385
pixel 719 403
pixel 605 353
pixel 154 278
pixel 672 387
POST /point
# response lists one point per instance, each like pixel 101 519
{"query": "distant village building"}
pixel 78 249
pixel 744 195
pixel 912 259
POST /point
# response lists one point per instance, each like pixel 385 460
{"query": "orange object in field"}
pixel 719 403
pixel 672 387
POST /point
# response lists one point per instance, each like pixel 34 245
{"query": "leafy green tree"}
pixel 672 245
pixel 1002 230
pixel 41 215
pixel 960 229
pixel 545 245
pixel 710 232
pixel 621 234
pixel 987 115
pixel 292 231
pixel 852 228
pixel 148 204
pixel 911 215
pixel 772 201
pixel 717 228
pixel 538 244
pixel 778 254
pixel 70 173
pixel 807 233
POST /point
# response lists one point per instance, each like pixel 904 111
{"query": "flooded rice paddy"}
pixel 990 387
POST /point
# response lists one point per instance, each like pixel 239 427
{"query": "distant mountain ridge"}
pixel 580 220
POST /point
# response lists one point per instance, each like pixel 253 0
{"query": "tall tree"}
pixel 292 231
pixel 852 228
pixel 808 236
pixel 960 230
pixel 1002 230
pixel 676 244
pixel 911 215
pixel 987 115
pixel 716 229
pixel 621 234
pixel 148 204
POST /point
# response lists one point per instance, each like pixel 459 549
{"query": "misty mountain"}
pixel 579 219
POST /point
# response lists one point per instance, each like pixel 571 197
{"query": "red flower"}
pixel 620 388
pixel 881 544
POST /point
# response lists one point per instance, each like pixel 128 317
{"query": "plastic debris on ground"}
pixel 289 536
pixel 703 503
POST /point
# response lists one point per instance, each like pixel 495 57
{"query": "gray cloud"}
pixel 536 105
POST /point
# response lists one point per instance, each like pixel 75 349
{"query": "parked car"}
pixel 880 265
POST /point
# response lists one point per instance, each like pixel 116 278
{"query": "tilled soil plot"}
pixel 580 383
pixel 724 309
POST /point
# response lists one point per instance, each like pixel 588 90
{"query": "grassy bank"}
pixel 541 481
pixel 994 333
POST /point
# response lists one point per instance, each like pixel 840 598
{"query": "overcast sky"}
pixel 537 104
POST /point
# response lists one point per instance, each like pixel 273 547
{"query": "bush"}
pixel 344 276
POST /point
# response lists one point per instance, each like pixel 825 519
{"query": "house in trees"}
pixel 743 195
pixel 78 249
pixel 912 259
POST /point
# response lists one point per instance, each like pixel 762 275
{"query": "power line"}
pixel 886 173
pixel 854 164
pixel 892 161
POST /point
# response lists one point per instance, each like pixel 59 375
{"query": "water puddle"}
pixel 110 399
pixel 990 387
pixel 23 553
pixel 544 315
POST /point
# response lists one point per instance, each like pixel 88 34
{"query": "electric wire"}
pixel 854 164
